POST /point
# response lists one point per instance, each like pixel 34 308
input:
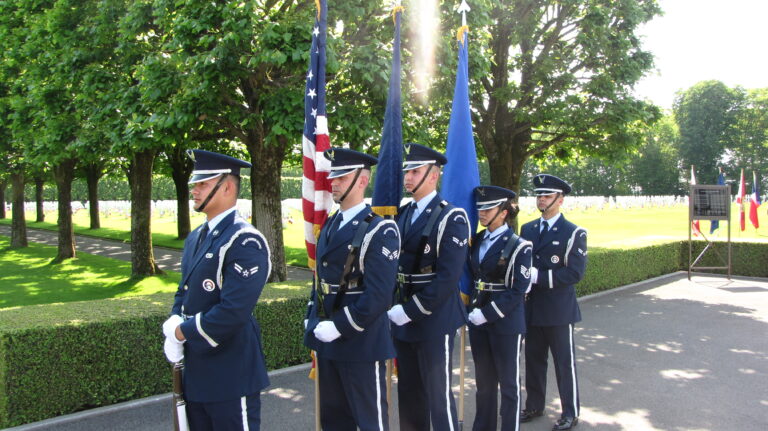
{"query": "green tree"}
pixel 554 79
pixel 749 136
pixel 705 115
pixel 655 168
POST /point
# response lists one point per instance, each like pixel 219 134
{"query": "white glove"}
pixel 326 331
pixel 174 349
pixel 534 275
pixel 397 315
pixel 477 318
pixel 170 325
pixel 306 322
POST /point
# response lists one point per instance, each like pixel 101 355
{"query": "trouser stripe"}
pixel 448 381
pixel 244 412
pixel 573 372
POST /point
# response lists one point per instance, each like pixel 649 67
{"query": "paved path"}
pixel 665 354
pixel 166 258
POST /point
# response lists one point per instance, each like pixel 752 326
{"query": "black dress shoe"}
pixel 528 415
pixel 565 424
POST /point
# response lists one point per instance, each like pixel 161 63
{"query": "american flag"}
pixel 316 189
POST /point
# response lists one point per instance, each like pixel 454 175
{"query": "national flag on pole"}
pixel 315 187
pixel 695 226
pixel 754 201
pixel 461 174
pixel 715 224
pixel 388 187
pixel 740 200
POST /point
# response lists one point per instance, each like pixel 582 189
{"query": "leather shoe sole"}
pixel 565 424
pixel 529 415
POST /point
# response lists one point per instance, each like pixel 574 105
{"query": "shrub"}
pixel 60 358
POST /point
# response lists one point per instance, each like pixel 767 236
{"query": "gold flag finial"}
pixel 395 10
pixel 317 3
pixel 460 33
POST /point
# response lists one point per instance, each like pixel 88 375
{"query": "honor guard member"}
pixel 347 323
pixel 559 262
pixel 500 262
pixel 429 310
pixel 223 271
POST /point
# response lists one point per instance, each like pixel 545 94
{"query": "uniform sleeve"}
pixel 574 266
pixel 380 273
pixel 245 271
pixel 450 263
pixel 519 270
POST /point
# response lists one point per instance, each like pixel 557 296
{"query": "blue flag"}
pixel 461 174
pixel 388 187
pixel 715 224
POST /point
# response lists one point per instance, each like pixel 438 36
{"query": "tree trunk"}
pixel 64 173
pixel 140 179
pixel 3 183
pixel 93 173
pixel 18 224
pixel 506 161
pixel 181 168
pixel 39 184
pixel 266 205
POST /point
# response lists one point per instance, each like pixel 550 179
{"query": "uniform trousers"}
pixel 497 360
pixel 352 395
pixel 424 384
pixel 243 414
pixel 539 340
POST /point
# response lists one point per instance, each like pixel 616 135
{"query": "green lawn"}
pixel 28 277
pixel 608 228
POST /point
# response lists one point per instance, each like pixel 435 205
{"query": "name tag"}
pixel 555 242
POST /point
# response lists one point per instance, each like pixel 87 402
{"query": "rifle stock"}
pixel 179 404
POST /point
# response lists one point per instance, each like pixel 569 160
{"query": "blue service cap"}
pixel 345 161
pixel 545 184
pixel 209 165
pixel 487 197
pixel 417 155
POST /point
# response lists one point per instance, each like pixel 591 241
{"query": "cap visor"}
pixel 197 178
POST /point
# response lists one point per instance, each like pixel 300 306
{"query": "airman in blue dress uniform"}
pixel 429 310
pixel 559 262
pixel 224 267
pixel 347 323
pixel 500 262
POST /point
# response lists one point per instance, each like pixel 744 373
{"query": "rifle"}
pixel 179 404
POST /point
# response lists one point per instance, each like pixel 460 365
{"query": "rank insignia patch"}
pixel 427 249
pixel 525 271
pixel 245 273
pixel 389 254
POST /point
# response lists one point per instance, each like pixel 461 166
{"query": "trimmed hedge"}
pixel 60 358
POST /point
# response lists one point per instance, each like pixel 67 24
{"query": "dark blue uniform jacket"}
pixel 504 310
pixel 220 286
pixel 436 308
pixel 362 316
pixel 560 255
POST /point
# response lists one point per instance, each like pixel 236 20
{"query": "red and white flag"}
pixel 315 187
pixel 741 201
pixel 754 201
pixel 695 226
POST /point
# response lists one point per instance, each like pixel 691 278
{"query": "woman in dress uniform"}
pixel 500 261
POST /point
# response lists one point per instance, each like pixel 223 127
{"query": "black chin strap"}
pixel 352 184
pixel 550 205
pixel 501 208
pixel 422 179
pixel 210 195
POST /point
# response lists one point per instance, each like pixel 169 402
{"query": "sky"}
pixel 698 40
